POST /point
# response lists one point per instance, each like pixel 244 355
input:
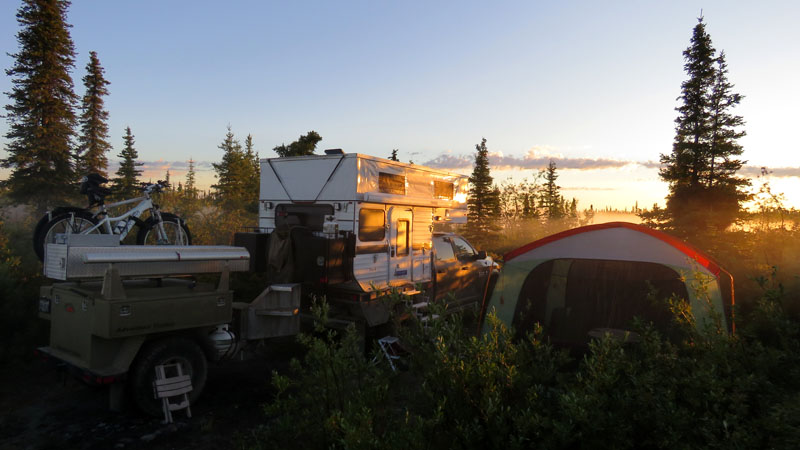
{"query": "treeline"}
pixel 505 215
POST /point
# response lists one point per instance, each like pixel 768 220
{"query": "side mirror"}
pixel 481 255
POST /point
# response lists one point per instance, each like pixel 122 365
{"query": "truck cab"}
pixel 463 274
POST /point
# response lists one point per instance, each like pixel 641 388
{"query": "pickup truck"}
pixel 463 275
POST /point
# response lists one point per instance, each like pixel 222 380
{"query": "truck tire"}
pixel 166 351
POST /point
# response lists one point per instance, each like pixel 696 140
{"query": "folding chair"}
pixel 172 387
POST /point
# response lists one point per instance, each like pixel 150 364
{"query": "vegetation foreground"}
pixel 462 389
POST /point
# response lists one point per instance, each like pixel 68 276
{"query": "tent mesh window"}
pixel 569 298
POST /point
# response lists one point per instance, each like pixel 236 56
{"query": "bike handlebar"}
pixel 154 187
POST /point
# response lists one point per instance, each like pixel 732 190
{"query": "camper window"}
pixel 309 216
pixel 371 225
pixel 443 190
pixel 402 237
pixel 391 184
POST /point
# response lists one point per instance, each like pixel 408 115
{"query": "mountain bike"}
pixel 160 228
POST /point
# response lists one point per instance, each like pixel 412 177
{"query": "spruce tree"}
pixel 41 118
pixel 191 189
pixel 127 181
pixel 93 140
pixel 704 191
pixel 304 145
pixel 483 201
pixel 550 199
pixel 253 177
pixel 237 175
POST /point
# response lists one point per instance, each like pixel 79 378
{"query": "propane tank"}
pixel 224 341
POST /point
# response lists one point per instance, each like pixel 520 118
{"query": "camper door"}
pixel 400 239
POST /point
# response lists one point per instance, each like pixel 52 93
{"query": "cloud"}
pixel 532 160
pixel 162 166
pixel 536 160
pixel 778 172
pixel 588 188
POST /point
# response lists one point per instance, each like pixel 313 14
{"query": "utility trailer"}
pixel 119 311
pixel 352 227
pixel 349 227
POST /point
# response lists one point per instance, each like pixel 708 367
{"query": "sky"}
pixel 592 85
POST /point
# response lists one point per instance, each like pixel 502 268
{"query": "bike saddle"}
pixel 90 185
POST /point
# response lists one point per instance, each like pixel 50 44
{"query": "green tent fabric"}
pixel 600 277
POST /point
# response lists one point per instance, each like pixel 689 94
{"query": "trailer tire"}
pixel 166 351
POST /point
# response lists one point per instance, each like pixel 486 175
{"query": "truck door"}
pixel 400 239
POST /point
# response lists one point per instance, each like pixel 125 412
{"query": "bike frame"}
pixel 122 225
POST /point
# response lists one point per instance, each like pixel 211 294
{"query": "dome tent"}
pixel 601 276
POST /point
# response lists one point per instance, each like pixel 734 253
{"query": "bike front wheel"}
pixel 175 232
pixel 73 222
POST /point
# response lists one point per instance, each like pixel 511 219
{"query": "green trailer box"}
pixel 103 335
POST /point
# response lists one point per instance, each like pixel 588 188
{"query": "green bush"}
pixel 703 389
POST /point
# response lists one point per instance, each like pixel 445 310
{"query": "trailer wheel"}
pixel 167 351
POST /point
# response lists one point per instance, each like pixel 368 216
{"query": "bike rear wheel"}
pixel 175 228
pixel 73 222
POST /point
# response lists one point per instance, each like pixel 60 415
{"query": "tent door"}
pixel 400 239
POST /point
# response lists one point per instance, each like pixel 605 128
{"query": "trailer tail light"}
pixel 323 280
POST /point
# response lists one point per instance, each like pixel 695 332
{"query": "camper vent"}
pixel 334 151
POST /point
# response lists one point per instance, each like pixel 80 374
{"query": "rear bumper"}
pixel 60 361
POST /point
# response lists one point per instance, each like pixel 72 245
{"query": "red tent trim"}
pixel 701 258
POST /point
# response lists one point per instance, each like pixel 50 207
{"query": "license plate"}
pixel 44 305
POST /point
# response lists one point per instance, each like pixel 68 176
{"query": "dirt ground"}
pixel 41 408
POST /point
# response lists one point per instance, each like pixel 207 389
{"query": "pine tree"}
pixel 191 189
pixel 93 140
pixel 253 180
pixel 127 181
pixel 166 180
pixel 484 200
pixel 304 145
pixel 237 176
pixel 550 199
pixel 704 191
pixel 41 118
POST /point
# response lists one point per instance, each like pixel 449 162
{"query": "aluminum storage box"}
pixel 74 262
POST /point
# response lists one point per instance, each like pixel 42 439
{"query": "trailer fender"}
pixel 127 353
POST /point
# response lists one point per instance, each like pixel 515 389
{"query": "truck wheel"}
pixel 167 351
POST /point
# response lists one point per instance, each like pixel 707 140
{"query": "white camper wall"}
pixel 422 244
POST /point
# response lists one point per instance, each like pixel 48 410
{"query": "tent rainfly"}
pixel 599 277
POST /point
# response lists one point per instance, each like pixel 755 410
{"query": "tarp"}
pixel 602 276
